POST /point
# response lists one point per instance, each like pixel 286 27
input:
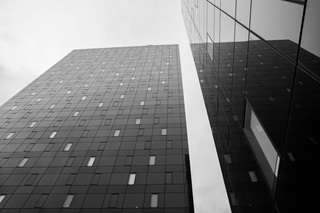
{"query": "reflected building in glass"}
pixel 258 66
pixel 103 130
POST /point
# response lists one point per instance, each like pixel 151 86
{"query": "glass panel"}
pixel 229 6
pixel 282 26
pixel 269 83
pixel 310 44
pixel 243 11
pixel 299 173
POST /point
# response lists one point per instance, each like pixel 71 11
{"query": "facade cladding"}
pixel 258 65
pixel 103 130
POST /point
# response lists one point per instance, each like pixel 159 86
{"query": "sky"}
pixel 36 34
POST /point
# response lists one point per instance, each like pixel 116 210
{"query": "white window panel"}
pixel 52 106
pixel 83 98
pixel 138 121
pixel 9 135
pixel 91 161
pixel 163 131
pixel 67 147
pixel 76 113
pixel 100 105
pixel 23 162
pixel 152 160
pixel 14 107
pixel 53 134
pixel 68 201
pixel 2 198
pixel 33 124
pixel 141 103
pixel 132 178
pixel 154 201
pixel 116 133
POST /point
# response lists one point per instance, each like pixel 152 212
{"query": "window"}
pixel 33 124
pixel 227 158
pixel 14 107
pixel 91 161
pixel 138 121
pixel 169 178
pixel 61 81
pixel 69 92
pixel 169 144
pixel 163 131
pixel 83 98
pixel 253 176
pixel 121 96
pixel 100 105
pixel 113 200
pixel 149 88
pixel 152 160
pixel 33 93
pixel 86 85
pixel 129 160
pixel 116 133
pixel 170 110
pixel 141 103
pixel 68 201
pixel 2 198
pixel 76 113
pixel 67 147
pixel 52 106
pixel 23 162
pixel 132 178
pixel 163 82
pixel 52 134
pixel 154 201
pixel 121 84
pixel 133 78
pixel 263 148
pixel 39 99
pixel 9 135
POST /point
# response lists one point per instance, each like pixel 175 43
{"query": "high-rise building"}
pixel 258 67
pixel 101 130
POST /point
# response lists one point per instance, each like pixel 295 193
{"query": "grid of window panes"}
pixel 258 67
pixel 102 129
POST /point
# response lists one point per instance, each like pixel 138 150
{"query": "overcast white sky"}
pixel 35 34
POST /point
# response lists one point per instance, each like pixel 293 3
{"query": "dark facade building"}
pixel 103 130
pixel 258 66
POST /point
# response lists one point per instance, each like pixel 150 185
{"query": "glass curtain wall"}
pixel 258 67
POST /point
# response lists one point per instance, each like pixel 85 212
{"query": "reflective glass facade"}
pixel 103 130
pixel 258 67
